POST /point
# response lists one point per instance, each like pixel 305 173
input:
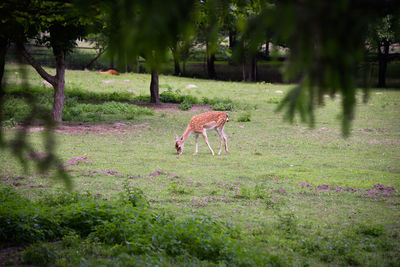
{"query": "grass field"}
pixel 305 196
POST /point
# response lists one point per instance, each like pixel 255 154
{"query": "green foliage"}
pixel 287 222
pixel 224 104
pixel 370 229
pixel 178 189
pixel 134 196
pixel 125 224
pixel 175 96
pixel 244 117
pixel 16 109
pixel 40 254
pixel 185 105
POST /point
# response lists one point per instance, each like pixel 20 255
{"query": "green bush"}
pixel 15 109
pixel 287 222
pixel 224 104
pixel 39 255
pixel 179 189
pixel 127 224
pixel 245 117
pixel 370 229
pixel 171 96
pixel 185 106
pixel 134 196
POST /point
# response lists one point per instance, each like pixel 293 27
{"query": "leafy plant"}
pixel 39 254
pixel 185 105
pixel 245 117
pixel 179 189
pixel 133 195
pixel 287 222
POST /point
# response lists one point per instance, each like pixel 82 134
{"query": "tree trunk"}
pixel 267 49
pixel 232 38
pixel 59 87
pixel 154 97
pixel 253 68
pixel 383 60
pixel 210 57
pixel 3 51
pixel 175 54
pixel 89 65
pixel 137 65
pixel 184 68
pixel 177 67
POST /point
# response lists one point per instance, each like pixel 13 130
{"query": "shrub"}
pixel 176 188
pixel 225 104
pixel 371 230
pixel 133 195
pixel 39 255
pixel 287 222
pixel 185 105
pixel 171 96
pixel 245 117
pixel 84 223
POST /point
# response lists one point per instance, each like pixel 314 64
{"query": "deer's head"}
pixel 179 144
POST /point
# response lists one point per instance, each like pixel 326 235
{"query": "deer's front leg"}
pixel 220 141
pixel 197 144
pixel 226 141
pixel 206 140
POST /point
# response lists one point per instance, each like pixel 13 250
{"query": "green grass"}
pixel 254 188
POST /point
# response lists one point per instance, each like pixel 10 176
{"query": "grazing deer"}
pixel 199 124
pixel 113 72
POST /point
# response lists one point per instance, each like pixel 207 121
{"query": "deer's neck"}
pixel 187 133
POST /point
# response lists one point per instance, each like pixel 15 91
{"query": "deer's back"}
pixel 208 120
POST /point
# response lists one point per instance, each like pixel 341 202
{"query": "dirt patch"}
pixel 75 161
pixel 110 172
pixel 161 172
pixel 9 256
pixel 376 190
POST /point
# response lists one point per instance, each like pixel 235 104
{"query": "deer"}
pixel 200 124
pixel 110 71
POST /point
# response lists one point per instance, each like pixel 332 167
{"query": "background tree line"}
pixel 327 42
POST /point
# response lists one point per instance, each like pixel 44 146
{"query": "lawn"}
pixel 300 196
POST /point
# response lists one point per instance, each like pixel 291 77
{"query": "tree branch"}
pixel 101 51
pixel 45 75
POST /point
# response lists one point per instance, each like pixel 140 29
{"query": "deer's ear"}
pixel 176 138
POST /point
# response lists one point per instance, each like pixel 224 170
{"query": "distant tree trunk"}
pixel 177 68
pixel 137 65
pixel 175 54
pixel 184 67
pixel 267 49
pixel 253 68
pixel 154 88
pixel 211 66
pixel 244 69
pixel 112 62
pixel 210 63
pixel 232 38
pixel 59 87
pixel 3 51
pixel 383 60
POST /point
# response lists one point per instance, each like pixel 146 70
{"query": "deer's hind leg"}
pixel 197 144
pixel 206 140
pixel 222 136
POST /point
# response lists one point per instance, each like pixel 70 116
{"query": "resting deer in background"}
pixel 199 124
pixel 111 71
